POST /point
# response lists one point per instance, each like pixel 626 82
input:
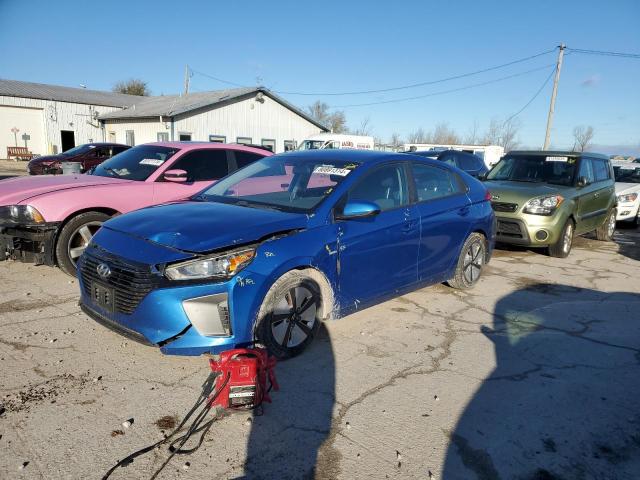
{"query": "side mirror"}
pixel 178 176
pixel 583 182
pixel 358 209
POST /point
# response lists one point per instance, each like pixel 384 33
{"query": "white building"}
pixel 50 119
pixel 239 115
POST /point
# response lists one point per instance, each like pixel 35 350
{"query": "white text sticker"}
pixel 326 170
pixel 557 159
pixel 151 161
pixel 629 167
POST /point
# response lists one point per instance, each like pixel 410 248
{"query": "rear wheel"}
pixel 605 231
pixel 290 315
pixel 75 237
pixel 470 263
pixel 562 247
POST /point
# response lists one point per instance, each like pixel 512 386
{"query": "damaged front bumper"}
pixel 28 243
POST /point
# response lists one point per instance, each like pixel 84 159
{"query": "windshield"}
pixel 137 163
pixel 79 149
pixel 627 173
pixel 287 183
pixel 311 145
pixel 557 170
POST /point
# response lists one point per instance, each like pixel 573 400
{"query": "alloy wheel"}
pixel 80 239
pixel 294 316
pixel 611 227
pixel 568 238
pixel 473 260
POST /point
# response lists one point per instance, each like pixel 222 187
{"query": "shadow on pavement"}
pixel 563 400
pixel 284 443
pixel 628 239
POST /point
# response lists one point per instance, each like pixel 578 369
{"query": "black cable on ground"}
pixel 206 398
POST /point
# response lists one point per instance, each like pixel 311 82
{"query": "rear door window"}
pixel 467 162
pixel 203 165
pixel 433 182
pixel 600 169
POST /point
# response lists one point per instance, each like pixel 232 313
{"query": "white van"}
pixel 328 141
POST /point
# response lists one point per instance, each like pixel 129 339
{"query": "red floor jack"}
pixel 238 381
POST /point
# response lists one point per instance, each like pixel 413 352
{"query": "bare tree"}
pixel 364 128
pixel 395 140
pixel 502 133
pixel 336 121
pixel 444 135
pixel 472 137
pixel 417 136
pixel 133 86
pixel 583 136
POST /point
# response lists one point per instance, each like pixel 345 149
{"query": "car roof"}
pixel 212 145
pixel 556 153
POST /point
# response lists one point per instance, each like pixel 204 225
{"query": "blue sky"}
pixel 350 46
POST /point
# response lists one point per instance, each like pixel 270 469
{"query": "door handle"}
pixel 596 195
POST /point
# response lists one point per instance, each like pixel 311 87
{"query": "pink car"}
pixel 51 219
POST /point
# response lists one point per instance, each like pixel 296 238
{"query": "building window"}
pixel 270 144
pixel 131 138
pixel 289 145
pixel 184 137
pixel 217 138
pixel 244 140
pixel 163 136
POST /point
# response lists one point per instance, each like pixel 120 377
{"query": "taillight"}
pixel 487 196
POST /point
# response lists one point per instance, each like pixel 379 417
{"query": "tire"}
pixel 562 248
pixel 75 237
pixel 285 314
pixel 470 262
pixel 605 231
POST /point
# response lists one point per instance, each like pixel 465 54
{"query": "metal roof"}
pixel 173 105
pixel 17 88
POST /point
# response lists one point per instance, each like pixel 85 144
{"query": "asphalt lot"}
pixel 531 375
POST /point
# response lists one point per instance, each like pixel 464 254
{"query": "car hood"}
pixel 521 192
pixel 199 227
pixel 20 189
pixel 48 159
pixel 622 188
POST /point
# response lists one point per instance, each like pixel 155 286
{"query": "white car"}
pixel 627 176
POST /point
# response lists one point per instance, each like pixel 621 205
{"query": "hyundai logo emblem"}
pixel 103 270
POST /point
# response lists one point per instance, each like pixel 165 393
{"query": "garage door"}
pixel 27 121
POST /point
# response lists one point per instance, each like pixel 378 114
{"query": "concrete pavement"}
pixel 533 374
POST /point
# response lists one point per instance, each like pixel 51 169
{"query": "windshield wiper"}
pixel 245 203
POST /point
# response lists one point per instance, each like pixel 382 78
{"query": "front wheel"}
pixel 605 231
pixel 562 247
pixel 75 237
pixel 470 263
pixel 290 315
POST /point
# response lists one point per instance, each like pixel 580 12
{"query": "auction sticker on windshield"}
pixel 557 159
pixel 151 161
pixel 329 170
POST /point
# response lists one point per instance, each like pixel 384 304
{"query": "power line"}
pixel 544 84
pixel 602 52
pixel 442 92
pixel 391 89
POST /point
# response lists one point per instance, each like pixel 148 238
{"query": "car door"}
pixel 605 188
pixel 203 167
pixel 377 255
pixel 587 200
pixel 443 209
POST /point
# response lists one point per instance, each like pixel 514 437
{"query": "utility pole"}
pixel 547 137
pixel 186 79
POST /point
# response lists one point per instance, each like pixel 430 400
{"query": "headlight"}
pixel 218 266
pixel 628 198
pixel 20 214
pixel 543 205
